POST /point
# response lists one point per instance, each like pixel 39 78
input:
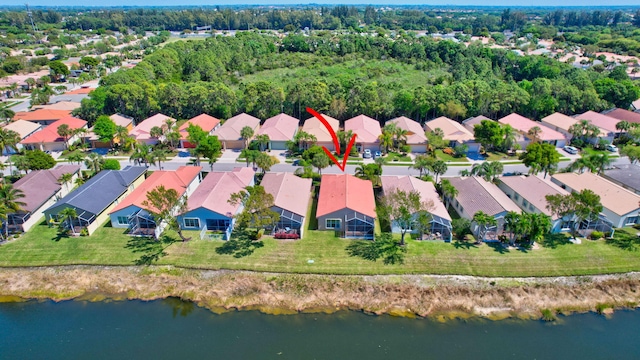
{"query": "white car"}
pixel 570 149
pixel 611 148
pixel 367 154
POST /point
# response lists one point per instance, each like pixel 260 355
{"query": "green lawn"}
pixel 591 151
pixel 109 246
pixel 446 157
pixel 497 156
pixel 395 157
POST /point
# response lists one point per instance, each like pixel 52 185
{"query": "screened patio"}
pixel 14 222
pixel 289 222
pixel 359 226
pixel 141 223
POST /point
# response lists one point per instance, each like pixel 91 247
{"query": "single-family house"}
pixel 529 193
pixel 206 122
pixel 48 139
pixel 475 194
pixel 416 138
pixel 454 133
pixel 522 125
pixel 627 176
pixel 471 122
pixel 605 123
pixel 118 119
pixel 635 105
pixel 43 116
pixel 132 214
pixel 209 207
pixel 122 120
pixel 142 131
pixel 440 218
pixel 346 204
pixel 367 131
pixel 229 132
pixel 94 199
pixel 620 206
pixel 291 197
pixel 315 127
pixel 41 189
pixel 623 115
pixel 23 129
pixel 60 105
pixel 560 123
pixel 280 129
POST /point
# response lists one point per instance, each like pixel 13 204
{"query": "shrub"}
pixel 286 236
pixel 548 315
pixel 111 164
pixel 258 234
pixel 461 227
pixel 449 151
pixel 596 235
pixel 84 232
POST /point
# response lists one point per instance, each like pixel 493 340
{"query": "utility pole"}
pixel 33 25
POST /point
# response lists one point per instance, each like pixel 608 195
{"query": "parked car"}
pixel 367 154
pixel 570 150
pixel 377 154
pixel 611 148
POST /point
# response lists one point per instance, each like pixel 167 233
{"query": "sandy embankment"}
pixel 406 295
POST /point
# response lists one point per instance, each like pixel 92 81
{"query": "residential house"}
pixel 623 115
pixel 529 193
pixel 60 105
pixel 122 120
pixel 209 207
pixel 560 123
pixel 132 214
pixel 475 194
pixel 471 122
pixel 367 131
pixel 280 129
pixel 22 128
pixel 440 219
pixel 620 206
pixel 142 131
pixel 605 123
pixel 522 125
pixel 627 176
pixel 454 133
pixel 346 204
pixel 94 199
pixel 118 119
pixel 41 189
pixel 43 116
pixel 206 122
pixel 229 132
pixel 291 197
pixel 416 138
pixel 48 139
pixel 316 128
pixel 635 105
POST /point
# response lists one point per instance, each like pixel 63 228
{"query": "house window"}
pixel 192 223
pixel 218 224
pixel 332 223
pixel 531 207
pixel 631 220
pixel 516 197
pixel 461 209
pixel 123 220
pixel 525 203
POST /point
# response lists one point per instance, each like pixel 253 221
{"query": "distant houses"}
pixel 347 206
pixel 48 138
pixel 42 116
pixel 367 131
pixel 291 195
pixel 24 129
pixel 315 127
pixel 524 125
pixel 605 123
pixel 41 189
pixel 623 115
pixel 209 208
pixel 280 129
pixel 229 133
pixel 93 200
pixel 132 214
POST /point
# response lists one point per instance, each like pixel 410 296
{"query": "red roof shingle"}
pixel 343 191
pixel 50 133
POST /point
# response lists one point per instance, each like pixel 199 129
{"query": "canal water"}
pixel 172 329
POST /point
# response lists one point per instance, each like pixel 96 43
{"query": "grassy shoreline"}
pixel 439 297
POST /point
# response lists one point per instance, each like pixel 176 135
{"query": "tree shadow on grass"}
pixel 240 245
pixel 61 235
pixel 498 247
pixel 552 241
pixel 625 241
pixel 151 249
pixel 463 244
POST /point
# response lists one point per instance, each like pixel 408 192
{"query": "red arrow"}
pixel 324 122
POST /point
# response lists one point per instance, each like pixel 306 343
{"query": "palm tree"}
pixel 582 164
pixel 400 136
pixel 510 137
pixel 66 179
pixel 423 163
pixel 79 181
pixel 156 132
pixel 246 134
pixel 249 156
pixel 140 153
pixel 68 214
pixel 94 162
pixel 262 140
pixel 158 155
pixel 622 126
pixel 439 167
pixel 511 223
pixel 600 162
pixel 534 133
pixel 386 141
pixel 10 201
pixel 9 139
pixel 76 157
pixel 448 191
pixel 371 172
pixel 344 137
pixel 7 114
pixel 122 133
pixel 483 221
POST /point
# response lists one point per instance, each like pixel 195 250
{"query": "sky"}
pixel 51 3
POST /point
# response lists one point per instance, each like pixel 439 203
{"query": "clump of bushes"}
pixel 548 315
pixel 596 235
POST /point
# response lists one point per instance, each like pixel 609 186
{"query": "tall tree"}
pixel 439 167
pixel 402 208
pixel 256 205
pixel 448 191
pixel 65 179
pixel 94 162
pixel 246 133
pixel 581 206
pixel 484 222
pixel 10 201
pixel 105 129
pixel 262 140
pixel 541 157
pixel 65 132
pixel 165 205
pixel 66 216
pixel 9 139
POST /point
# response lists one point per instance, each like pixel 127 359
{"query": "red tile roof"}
pixel 42 115
pixel 178 180
pixel 50 133
pixel 215 190
pixel 82 90
pixel 342 191
pixel 206 123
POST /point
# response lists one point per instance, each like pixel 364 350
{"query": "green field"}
pixel 109 246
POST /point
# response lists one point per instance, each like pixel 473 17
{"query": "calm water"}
pixel 172 329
